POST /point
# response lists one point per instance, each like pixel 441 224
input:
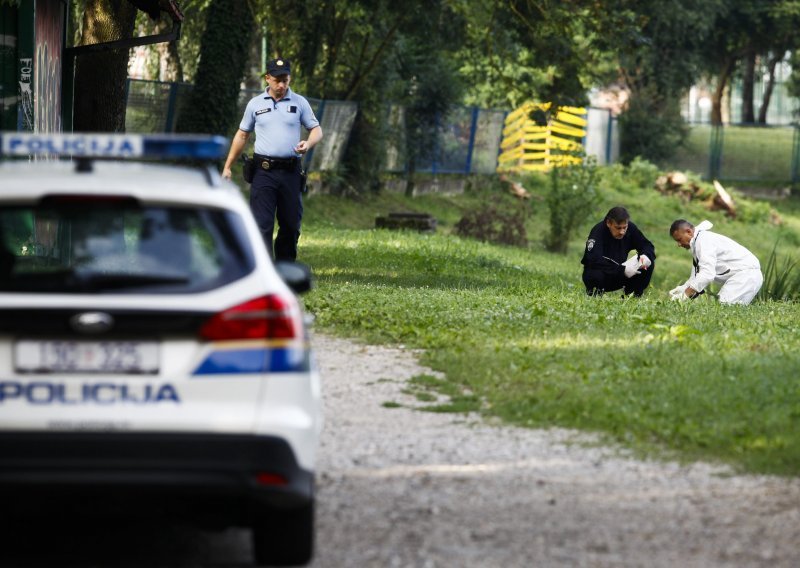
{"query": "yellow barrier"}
pixel 527 146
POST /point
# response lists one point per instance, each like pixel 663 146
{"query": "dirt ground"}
pixel 404 487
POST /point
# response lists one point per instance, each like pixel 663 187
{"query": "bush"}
pixel 490 224
pixel 750 211
pixel 573 196
pixel 642 174
pixel 639 175
pixel 651 128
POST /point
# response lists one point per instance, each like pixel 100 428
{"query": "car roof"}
pixel 111 164
pixel 155 183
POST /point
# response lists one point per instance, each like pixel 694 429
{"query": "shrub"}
pixel 750 211
pixel 573 196
pixel 642 174
pixel 639 175
pixel 651 128
pixel 490 224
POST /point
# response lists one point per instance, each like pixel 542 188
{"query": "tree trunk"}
pixel 213 105
pixel 748 82
pixel 719 91
pixel 170 66
pixel 769 87
pixel 100 77
pixel 410 175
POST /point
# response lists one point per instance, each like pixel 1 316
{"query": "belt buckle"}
pixel 265 164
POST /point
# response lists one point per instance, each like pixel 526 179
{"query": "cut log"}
pixel 515 188
pixel 723 200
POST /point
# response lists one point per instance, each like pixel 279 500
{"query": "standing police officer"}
pixel 604 266
pixel 277 185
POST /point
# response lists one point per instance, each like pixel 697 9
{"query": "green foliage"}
pixel 642 173
pixel 660 47
pixel 750 211
pixel 639 175
pixel 573 197
pixel 651 129
pixel 433 88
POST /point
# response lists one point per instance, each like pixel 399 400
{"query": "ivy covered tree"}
pixel 213 104
pixel 100 77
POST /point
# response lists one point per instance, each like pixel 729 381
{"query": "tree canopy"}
pixel 431 55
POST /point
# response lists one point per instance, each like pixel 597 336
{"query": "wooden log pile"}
pixel 678 183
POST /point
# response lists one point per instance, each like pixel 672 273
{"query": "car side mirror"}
pixel 296 275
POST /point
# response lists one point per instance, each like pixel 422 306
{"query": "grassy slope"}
pixel 518 339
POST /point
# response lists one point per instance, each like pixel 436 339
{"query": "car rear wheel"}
pixel 286 538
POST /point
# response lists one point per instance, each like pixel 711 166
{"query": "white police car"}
pixel 152 358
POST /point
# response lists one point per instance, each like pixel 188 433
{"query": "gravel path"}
pixel 408 488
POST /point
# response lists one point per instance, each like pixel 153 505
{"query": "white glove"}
pixel 645 262
pixel 678 293
pixel 631 267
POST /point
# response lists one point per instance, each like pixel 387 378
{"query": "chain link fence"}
pixel 468 142
pixel 752 154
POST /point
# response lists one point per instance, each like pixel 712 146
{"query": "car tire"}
pixel 285 538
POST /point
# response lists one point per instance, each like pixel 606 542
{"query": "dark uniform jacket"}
pixel 604 252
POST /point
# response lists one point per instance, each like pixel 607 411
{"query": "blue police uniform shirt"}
pixel 277 123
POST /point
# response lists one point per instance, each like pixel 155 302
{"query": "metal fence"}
pixel 153 106
pixel 468 142
pixel 741 153
pixel 469 138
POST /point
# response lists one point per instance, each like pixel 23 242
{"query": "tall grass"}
pixel 781 282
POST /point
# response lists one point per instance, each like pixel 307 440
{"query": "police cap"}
pixel 277 67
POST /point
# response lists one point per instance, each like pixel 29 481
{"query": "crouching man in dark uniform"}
pixel 605 267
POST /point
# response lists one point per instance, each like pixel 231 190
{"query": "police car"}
pixel 153 359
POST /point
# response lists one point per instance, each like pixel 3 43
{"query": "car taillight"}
pixel 267 317
pixel 264 478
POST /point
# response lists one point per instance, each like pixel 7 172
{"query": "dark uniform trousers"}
pixel 597 282
pixel 277 192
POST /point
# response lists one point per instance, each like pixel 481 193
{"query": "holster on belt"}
pixel 248 168
pixel 266 163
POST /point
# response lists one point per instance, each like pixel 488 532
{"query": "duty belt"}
pixel 268 163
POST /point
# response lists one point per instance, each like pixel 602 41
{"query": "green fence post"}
pixel 795 157
pixel 172 101
pixel 715 154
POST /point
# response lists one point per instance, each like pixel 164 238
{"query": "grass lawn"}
pixel 517 339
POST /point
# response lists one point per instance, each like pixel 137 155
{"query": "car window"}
pixel 75 245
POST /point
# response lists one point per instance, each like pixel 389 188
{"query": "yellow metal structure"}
pixel 529 147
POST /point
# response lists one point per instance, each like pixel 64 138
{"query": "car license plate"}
pixel 128 357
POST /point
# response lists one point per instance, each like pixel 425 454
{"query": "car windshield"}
pixel 96 245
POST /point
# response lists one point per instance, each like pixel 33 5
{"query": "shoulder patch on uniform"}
pixel 590 244
pixel 263 110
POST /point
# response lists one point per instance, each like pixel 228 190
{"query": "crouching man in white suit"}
pixel 716 258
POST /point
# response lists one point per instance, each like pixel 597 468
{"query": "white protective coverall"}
pixel 724 261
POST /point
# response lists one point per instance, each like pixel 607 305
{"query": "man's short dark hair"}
pixel 617 214
pixel 679 224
